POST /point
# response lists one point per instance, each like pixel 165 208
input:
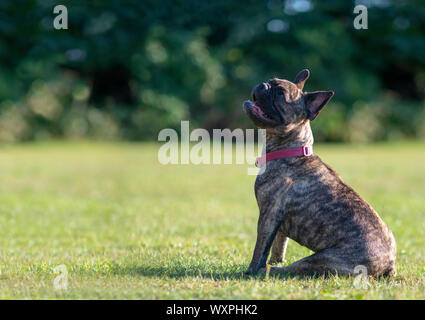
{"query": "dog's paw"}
pixel 275 260
pixel 262 270
pixel 248 272
pixel 272 271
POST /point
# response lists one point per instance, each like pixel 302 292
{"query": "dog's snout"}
pixel 262 87
pixel 259 90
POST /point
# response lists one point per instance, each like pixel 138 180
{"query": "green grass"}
pixel 127 227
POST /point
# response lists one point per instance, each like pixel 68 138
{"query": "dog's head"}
pixel 282 105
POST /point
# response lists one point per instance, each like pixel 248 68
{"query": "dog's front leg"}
pixel 268 224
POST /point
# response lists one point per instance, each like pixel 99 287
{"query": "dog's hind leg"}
pixel 391 272
pixel 279 248
pixel 320 263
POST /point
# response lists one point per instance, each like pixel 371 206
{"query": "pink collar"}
pixel 304 151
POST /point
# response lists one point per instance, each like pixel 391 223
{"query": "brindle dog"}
pixel 303 199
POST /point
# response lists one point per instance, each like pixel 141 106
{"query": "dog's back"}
pixel 323 213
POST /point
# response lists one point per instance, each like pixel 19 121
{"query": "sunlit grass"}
pixel 127 227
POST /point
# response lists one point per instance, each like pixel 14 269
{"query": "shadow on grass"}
pixel 181 271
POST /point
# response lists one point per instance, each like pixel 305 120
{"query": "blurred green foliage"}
pixel 127 69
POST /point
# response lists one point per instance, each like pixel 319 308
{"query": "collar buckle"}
pixel 307 151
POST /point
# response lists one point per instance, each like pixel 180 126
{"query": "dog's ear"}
pixel 315 101
pixel 301 78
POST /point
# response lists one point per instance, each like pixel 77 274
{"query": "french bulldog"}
pixel 303 199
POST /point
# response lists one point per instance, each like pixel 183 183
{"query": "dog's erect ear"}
pixel 301 78
pixel 315 101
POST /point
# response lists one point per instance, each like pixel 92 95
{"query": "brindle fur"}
pixel 303 199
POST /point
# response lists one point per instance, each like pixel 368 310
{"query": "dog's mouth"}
pixel 257 114
pixel 256 109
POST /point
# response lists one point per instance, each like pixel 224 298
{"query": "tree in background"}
pixel 127 69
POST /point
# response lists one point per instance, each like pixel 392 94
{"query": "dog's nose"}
pixel 259 90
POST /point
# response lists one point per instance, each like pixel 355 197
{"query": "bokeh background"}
pixel 127 69
pixel 75 190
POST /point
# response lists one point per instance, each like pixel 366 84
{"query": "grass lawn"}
pixel 127 227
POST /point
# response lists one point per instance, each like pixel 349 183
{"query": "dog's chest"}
pixel 299 195
pixel 271 189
